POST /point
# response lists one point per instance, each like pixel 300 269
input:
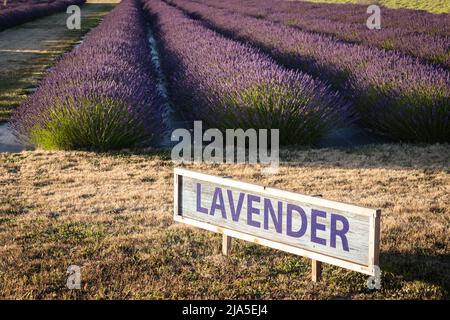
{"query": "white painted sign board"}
pixel 323 230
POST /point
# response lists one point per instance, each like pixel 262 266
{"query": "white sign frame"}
pixel 373 215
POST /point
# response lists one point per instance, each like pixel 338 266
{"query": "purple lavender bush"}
pixel 101 95
pixel 21 11
pixel 400 28
pixel 231 85
pixel 395 95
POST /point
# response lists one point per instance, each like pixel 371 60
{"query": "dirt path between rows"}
pixel 27 50
pixel 42 36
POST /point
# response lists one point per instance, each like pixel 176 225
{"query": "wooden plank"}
pixel 376 249
pixel 358 236
pixel 276 192
pixel 356 248
pixel 276 245
pixel 226 244
pixel 176 194
pixel 316 270
pixel 375 239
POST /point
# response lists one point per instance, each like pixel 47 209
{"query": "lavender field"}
pixel 306 69
pixel 402 29
pixel 390 92
pixel 88 118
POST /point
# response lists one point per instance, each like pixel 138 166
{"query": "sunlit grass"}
pixel 433 6
pixel 18 77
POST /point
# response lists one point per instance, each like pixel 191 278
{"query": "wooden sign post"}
pixel 322 230
pixel 226 245
pixel 316 270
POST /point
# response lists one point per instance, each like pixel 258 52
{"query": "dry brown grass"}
pixel 111 215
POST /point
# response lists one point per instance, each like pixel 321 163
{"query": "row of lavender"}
pixel 101 95
pixel 418 34
pixel 18 12
pixel 227 84
pixel 413 21
pixel 395 95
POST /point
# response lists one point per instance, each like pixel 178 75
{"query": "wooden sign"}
pixel 328 231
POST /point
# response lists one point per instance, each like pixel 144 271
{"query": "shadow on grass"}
pixel 424 267
pixel 431 158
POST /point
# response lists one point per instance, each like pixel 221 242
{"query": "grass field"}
pixel 111 214
pixel 29 49
pixel 434 6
